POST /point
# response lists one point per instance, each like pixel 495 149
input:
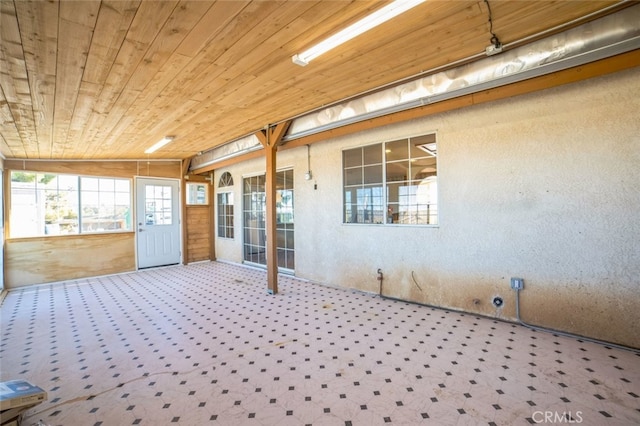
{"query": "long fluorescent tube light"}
pixel 156 146
pixel 376 18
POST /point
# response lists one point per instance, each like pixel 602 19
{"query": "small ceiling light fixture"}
pixel 156 146
pixel 376 18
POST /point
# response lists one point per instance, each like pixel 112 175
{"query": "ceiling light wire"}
pixel 494 40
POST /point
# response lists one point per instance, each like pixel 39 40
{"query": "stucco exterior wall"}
pixel 543 186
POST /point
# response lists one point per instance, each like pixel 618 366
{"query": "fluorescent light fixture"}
pixel 376 18
pixel 156 146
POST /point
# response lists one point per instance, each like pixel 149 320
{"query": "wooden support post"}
pixel 184 171
pixel 270 137
pixel 212 214
pixel 272 240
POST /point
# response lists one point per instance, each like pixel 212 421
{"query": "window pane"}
pixel 373 174
pixel 104 209
pixel 225 180
pixel 423 146
pixel 60 203
pixel 158 205
pixel 352 157
pixel 370 205
pixel 90 184
pixel 24 205
pixel 397 150
pixel 397 171
pixel 353 177
pixel 197 194
pixel 107 185
pixel 90 198
pixel 122 185
pixel 67 183
pixel 423 167
pixel 372 154
pixel 121 199
pixel 225 215
pixel 43 204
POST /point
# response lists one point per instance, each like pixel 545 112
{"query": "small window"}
pixel 197 194
pixel 225 206
pixel 225 180
pixel 158 200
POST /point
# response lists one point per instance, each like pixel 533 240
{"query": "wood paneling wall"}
pixel 199 230
pixel 50 259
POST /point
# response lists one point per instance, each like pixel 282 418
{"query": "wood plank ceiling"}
pixel 107 79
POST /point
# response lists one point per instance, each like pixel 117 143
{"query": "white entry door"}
pixel 158 220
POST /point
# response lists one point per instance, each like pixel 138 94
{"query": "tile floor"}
pixel 206 344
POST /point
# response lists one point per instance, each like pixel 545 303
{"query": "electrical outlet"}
pixel 517 283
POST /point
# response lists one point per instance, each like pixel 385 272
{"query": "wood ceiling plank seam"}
pixel 148 18
pixel 247 38
pixel 199 68
pixel 14 77
pixel 274 43
pixel 114 21
pixel 159 127
pixel 39 23
pixel 274 32
pixel 226 45
pixel 208 114
pixel 111 120
pixel 9 136
pixel 276 16
pixel 161 52
pixel 286 40
pixel 203 75
pixel 111 90
pixel 171 35
pixel 219 15
pixel 142 109
pixel 274 38
pixel 75 32
pixel 87 94
pixel 161 68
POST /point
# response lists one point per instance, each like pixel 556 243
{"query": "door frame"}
pixel 179 213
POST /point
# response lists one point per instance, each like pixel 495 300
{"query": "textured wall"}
pixel 543 186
